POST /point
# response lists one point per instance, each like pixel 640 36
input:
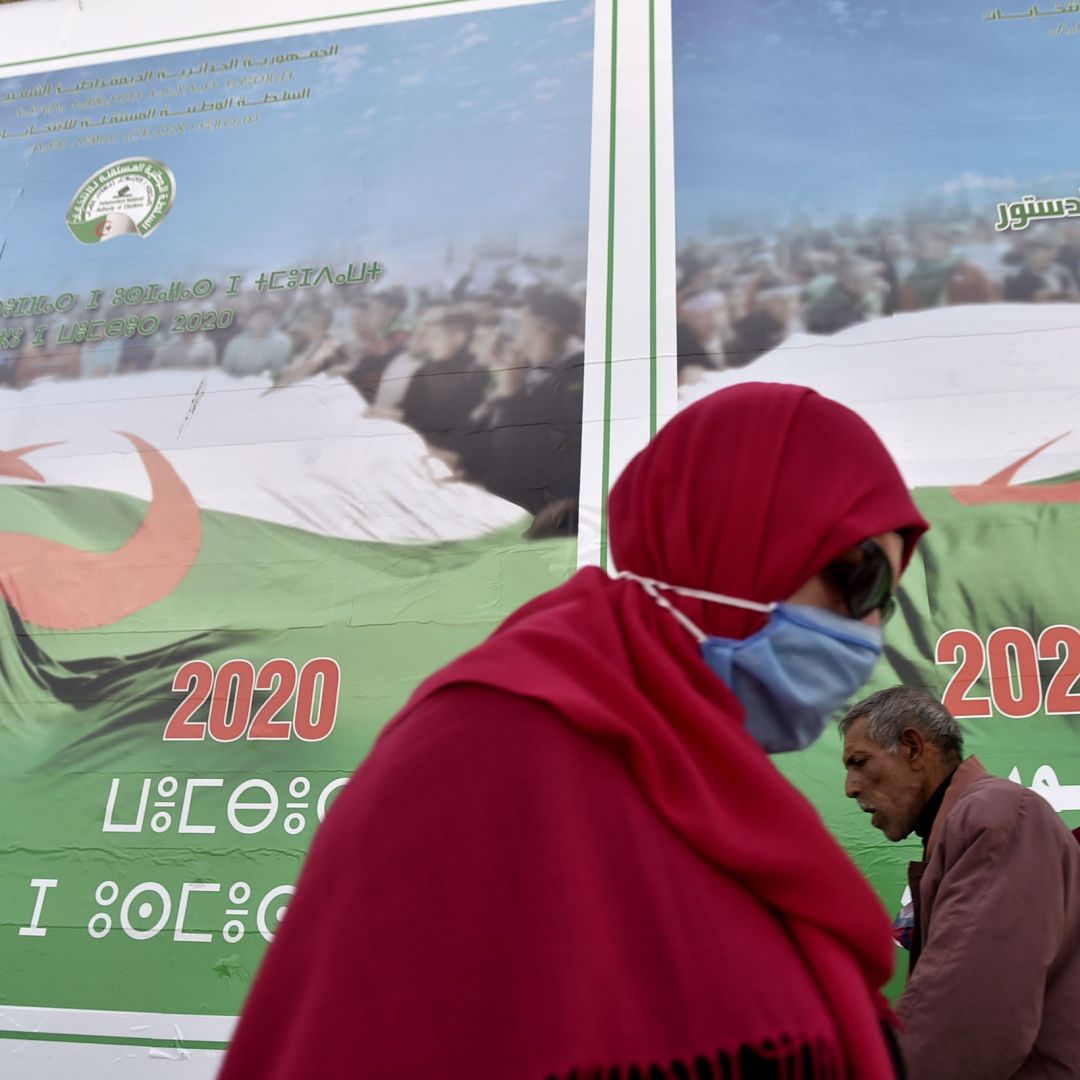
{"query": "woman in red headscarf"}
pixel 569 855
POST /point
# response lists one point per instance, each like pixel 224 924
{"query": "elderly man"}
pixel 994 989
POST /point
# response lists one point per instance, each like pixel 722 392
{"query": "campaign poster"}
pixel 882 201
pixel 290 415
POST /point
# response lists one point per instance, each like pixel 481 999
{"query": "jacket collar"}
pixel 969 771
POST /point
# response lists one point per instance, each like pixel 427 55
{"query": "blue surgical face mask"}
pixel 790 675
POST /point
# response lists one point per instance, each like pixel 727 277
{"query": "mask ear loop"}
pixel 653 587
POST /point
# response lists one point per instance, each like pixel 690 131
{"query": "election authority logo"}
pixel 129 196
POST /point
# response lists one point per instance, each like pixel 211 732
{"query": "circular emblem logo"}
pixel 129 196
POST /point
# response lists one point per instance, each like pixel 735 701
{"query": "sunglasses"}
pixel 864 578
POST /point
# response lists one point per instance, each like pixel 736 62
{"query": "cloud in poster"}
pixel 423 135
pixel 844 108
pixel 468 37
pixel 546 89
pixel 581 16
pixel 971 181
pixel 341 68
pixel 473 40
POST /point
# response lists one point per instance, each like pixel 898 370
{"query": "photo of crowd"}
pixel 488 369
pixel 464 176
pixel 741 295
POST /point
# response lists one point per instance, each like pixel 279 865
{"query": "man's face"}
pixel 856 278
pixel 883 782
pixel 536 340
pixel 380 315
pixel 706 322
pixel 932 246
pixel 1039 258
pixel 260 322
pixel 443 341
pixel 418 343
pixel 780 307
pixel 489 345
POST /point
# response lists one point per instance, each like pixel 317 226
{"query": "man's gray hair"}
pixel 888 712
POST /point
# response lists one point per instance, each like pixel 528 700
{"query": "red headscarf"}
pixel 749 492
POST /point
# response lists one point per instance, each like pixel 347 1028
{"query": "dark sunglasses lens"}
pixel 888 609
pixel 870 584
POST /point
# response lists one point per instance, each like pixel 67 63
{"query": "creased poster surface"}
pixel 290 414
pixel 883 202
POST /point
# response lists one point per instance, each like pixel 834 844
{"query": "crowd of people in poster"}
pixel 488 370
pixel 742 293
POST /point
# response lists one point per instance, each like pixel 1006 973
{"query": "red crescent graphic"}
pixel 11 463
pixel 60 587
pixel 999 488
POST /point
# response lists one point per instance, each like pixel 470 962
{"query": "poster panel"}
pixel 881 202
pixel 290 415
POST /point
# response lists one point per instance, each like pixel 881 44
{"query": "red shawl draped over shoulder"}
pixel 565 857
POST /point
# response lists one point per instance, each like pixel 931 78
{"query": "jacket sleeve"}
pixel 973 1006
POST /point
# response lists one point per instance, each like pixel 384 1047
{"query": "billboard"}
pixel 320 341
pixel 291 406
pixel 863 207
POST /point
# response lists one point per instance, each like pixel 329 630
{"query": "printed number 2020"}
pixel 231 693
pixel 1012 657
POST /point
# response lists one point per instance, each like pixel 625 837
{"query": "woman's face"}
pixel 820 592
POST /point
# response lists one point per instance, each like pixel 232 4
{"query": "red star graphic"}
pixel 11 463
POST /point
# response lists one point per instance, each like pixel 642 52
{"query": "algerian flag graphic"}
pixel 158 531
pixel 979 406
pixel 180 510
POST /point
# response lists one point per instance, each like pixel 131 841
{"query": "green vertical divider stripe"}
pixel 605 474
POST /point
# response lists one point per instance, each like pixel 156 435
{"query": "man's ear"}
pixel 913 747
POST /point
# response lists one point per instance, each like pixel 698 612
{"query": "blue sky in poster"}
pixel 830 106
pixel 420 141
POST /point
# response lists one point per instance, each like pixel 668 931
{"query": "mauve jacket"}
pixel 995 984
